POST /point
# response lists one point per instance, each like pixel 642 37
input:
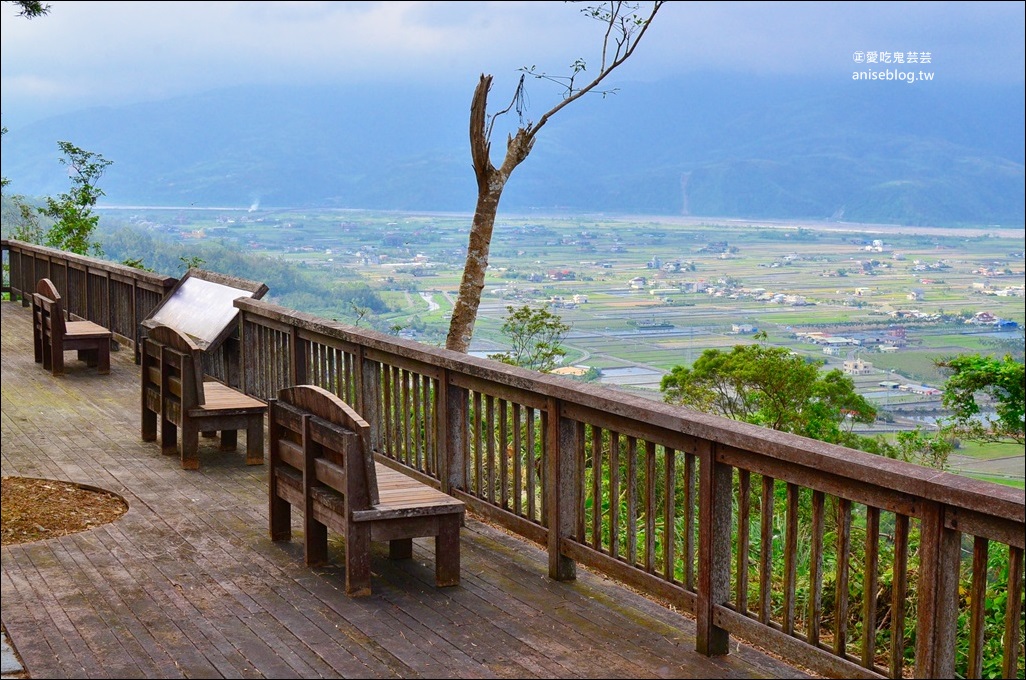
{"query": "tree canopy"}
pixel 30 9
pixel 72 211
pixel 536 336
pixel 978 382
pixel 771 387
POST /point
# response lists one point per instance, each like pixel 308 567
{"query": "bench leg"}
pixel 149 424
pixel 168 437
pixel 190 445
pixel 103 358
pixel 400 549
pixel 229 440
pixel 255 441
pixel 315 541
pixel 447 552
pixel 57 360
pixel 89 356
pixel 358 572
pixel 37 343
pixel 279 512
pixel 46 352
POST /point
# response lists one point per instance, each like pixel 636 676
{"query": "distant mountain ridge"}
pixel 705 145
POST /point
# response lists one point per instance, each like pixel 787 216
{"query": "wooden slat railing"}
pixel 847 563
pixel 115 296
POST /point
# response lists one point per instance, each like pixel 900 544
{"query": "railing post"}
pixel 368 380
pixel 16 274
pixel 452 438
pixel 298 370
pixel 133 315
pixel 940 555
pixel 86 304
pixel 28 280
pixel 247 358
pixel 714 510
pixel 231 351
pixel 23 275
pixel 563 484
pixel 9 288
pixel 108 313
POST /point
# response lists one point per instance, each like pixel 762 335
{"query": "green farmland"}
pixel 643 296
pixel 656 293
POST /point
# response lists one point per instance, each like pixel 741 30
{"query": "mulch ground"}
pixel 36 509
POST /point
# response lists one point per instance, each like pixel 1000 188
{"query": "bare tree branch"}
pixel 624 30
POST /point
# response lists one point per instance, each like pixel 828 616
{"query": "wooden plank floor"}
pixel 188 584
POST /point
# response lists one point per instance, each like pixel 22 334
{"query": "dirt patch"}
pixel 36 509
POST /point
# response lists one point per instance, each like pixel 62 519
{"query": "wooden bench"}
pixel 53 335
pixel 321 463
pixel 175 389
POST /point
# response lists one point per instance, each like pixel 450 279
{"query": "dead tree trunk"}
pixel 623 31
pixel 490 183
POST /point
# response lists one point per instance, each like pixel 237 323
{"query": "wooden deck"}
pixel 188 583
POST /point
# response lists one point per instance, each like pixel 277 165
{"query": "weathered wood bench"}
pixel 175 389
pixel 321 463
pixel 53 334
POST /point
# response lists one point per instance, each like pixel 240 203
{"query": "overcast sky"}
pixel 84 54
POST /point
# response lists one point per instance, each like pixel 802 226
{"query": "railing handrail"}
pixel 953 490
pixel 152 278
pixel 95 290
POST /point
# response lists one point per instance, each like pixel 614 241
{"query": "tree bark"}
pixel 490 183
pixel 464 313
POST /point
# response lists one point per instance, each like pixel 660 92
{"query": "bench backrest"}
pixel 178 362
pixel 49 309
pixel 320 435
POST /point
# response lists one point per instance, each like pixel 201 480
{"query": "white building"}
pixel 857 366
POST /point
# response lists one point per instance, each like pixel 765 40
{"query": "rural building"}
pixel 857 366
pixel 982 319
pixel 920 389
pixel 570 370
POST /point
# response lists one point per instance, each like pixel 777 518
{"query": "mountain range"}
pixel 703 145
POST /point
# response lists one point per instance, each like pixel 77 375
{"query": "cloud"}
pixel 90 53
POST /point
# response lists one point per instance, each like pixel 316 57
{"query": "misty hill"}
pixel 749 147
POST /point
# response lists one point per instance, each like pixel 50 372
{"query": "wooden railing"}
pixel 846 563
pixel 843 562
pixel 115 296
